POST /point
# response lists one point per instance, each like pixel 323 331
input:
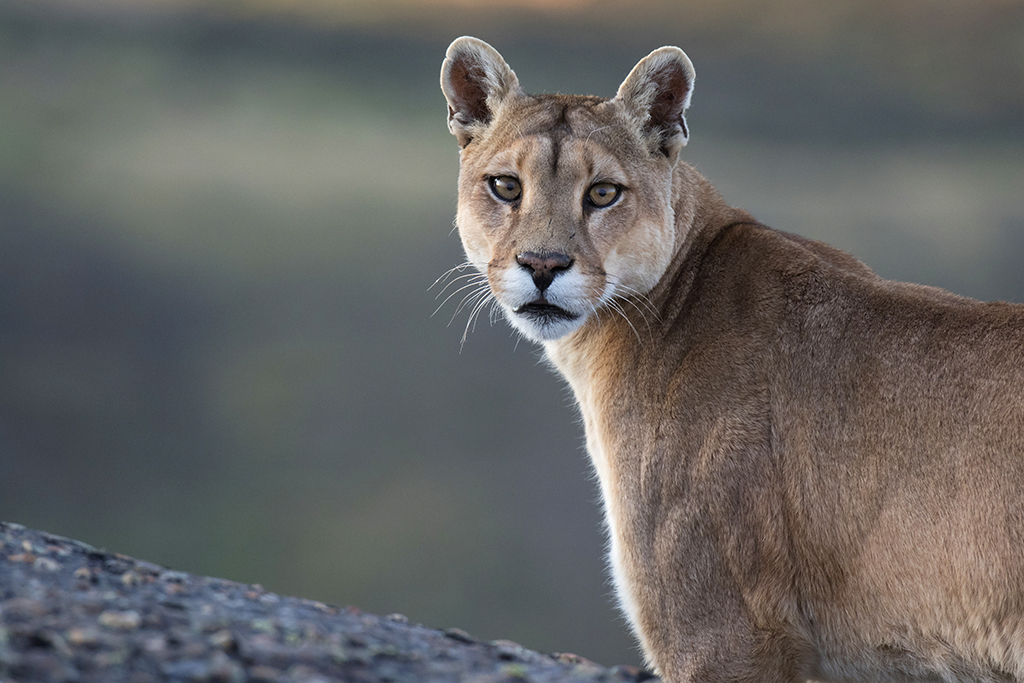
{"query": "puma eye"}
pixel 506 188
pixel 603 194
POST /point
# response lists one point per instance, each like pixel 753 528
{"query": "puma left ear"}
pixel 655 96
pixel 475 81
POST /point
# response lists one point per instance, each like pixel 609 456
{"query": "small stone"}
pixel 155 645
pixel 508 650
pixel 515 671
pixel 196 649
pixel 301 673
pixel 387 651
pixel 173 576
pixel 85 636
pixel 22 557
pixel 46 564
pixel 116 565
pixel 263 625
pixel 222 639
pixel 83 573
pixel 130 578
pixel 595 672
pixel 172 603
pixel 256 644
pixel 460 635
pixel 398 618
pixel 507 644
pixel 148 568
pixel 225 669
pixel 188 669
pixel 126 620
pixel 263 674
pixel 108 659
pixel 22 608
pixel 255 591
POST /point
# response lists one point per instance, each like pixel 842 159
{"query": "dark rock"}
pixel 69 612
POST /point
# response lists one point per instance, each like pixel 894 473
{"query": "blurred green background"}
pixel 219 223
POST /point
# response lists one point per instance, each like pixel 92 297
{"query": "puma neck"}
pixel 700 215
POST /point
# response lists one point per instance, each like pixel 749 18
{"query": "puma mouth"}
pixel 543 312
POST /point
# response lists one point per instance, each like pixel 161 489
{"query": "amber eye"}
pixel 602 194
pixel 506 188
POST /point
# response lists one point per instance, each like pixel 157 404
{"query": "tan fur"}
pixel 808 471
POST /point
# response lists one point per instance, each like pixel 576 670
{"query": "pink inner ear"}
pixel 470 96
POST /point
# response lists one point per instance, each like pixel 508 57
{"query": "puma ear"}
pixel 475 81
pixel 655 96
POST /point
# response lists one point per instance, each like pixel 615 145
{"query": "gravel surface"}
pixel 70 612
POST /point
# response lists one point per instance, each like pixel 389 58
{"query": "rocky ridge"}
pixel 71 612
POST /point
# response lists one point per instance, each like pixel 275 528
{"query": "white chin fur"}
pixel 542 331
pixel 517 289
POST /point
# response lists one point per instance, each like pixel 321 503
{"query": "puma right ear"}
pixel 655 96
pixel 475 81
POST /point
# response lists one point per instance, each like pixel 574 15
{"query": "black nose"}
pixel 544 267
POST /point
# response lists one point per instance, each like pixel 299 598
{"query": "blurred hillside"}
pixel 841 67
pixel 221 220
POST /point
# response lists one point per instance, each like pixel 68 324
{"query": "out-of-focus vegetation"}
pixel 220 222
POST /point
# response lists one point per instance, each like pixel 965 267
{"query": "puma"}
pixel 808 472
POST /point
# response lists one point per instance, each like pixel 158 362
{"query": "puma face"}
pixel 565 202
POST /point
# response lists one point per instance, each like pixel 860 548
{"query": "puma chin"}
pixel 808 472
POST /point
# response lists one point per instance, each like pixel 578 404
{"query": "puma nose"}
pixel 543 267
